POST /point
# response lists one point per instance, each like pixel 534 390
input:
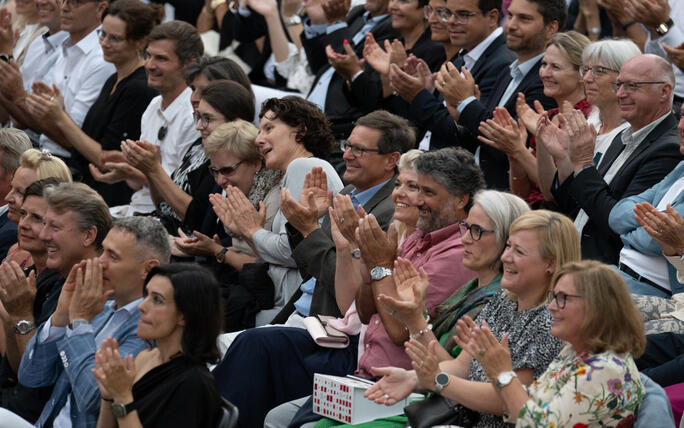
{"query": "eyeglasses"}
pixel 462 16
pixel 112 38
pixel 561 298
pixel 357 151
pixel 203 118
pixel 442 12
pixel 476 230
pixel 225 171
pixel 630 86
pixel 596 71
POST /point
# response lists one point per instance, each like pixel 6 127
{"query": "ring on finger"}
pixel 481 354
pixel 422 362
pixel 387 397
pixel 341 220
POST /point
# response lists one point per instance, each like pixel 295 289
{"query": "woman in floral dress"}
pixel 593 381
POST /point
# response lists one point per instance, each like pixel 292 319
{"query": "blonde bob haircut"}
pixel 612 321
pixel 236 137
pixel 45 164
pixel 571 44
pixel 558 238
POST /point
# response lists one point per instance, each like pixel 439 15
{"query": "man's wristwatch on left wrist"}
pixel 24 327
pixel 6 57
pixel 78 322
pixel 219 256
pixel 120 410
pixel 380 272
pixel 663 28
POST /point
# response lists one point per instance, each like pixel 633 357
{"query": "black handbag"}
pixel 437 410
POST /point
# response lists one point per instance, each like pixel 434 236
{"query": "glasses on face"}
pixel 357 151
pixel 203 118
pixel 112 38
pixel 442 12
pixel 630 86
pixel 225 171
pixel 596 71
pixel 561 298
pixel 475 230
pixel 460 16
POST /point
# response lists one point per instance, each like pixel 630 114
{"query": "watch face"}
pixel 505 378
pixel 379 272
pixel 442 379
pixel 119 410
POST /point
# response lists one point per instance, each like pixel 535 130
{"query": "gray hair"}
pixel 88 206
pixel 149 234
pixel 610 53
pixel 13 142
pixel 454 168
pixel 407 159
pixel 502 209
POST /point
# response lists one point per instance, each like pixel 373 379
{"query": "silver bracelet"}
pixel 419 333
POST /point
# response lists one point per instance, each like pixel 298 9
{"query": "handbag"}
pixel 437 410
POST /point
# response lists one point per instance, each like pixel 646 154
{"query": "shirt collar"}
pixel 439 235
pixel 56 39
pixel 630 137
pixel 476 52
pixel 4 209
pixel 525 67
pixel 367 18
pixel 130 307
pixel 86 44
pixel 367 194
pixel 176 106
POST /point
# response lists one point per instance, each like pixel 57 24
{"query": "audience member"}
pixel 85 315
pixel 167 121
pixel 25 29
pixel 637 158
pixel 539 243
pixel 483 53
pixel 293 138
pixel 593 313
pixel 207 69
pixel 370 154
pixel 643 261
pixel 447 179
pixel 529 26
pixel 116 113
pixel 13 143
pixel 181 313
pixel 78 72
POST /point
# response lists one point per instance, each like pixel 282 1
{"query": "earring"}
pixel 548 272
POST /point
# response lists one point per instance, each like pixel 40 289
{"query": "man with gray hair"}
pixel 13 142
pixel 638 158
pixel 99 300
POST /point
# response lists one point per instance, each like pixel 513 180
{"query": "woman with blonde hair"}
pixel 539 242
pixel 594 380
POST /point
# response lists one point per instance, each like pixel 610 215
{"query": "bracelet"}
pixel 628 24
pixel 421 332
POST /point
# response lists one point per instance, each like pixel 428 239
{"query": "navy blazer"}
pixel 655 157
pixel 8 235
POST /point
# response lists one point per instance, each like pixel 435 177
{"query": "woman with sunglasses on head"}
pixel 116 114
pixel 539 242
pixel 594 380
pixel 167 385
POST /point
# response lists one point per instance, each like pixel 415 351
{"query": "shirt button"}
pixel 367 345
pixel 377 321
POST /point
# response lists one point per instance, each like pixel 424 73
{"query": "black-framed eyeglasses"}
pixel 112 38
pixel 162 133
pixel 629 86
pixel 357 151
pixel 476 230
pixel 561 298
pixel 225 171
pixel 203 118
pixel 596 71
pixel 461 16
pixel 442 12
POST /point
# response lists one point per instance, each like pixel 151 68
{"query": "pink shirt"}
pixel 440 253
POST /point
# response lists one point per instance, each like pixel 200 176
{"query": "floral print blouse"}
pixel 578 391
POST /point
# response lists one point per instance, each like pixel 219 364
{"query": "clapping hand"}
pixel 395 384
pixel 493 356
pixel 666 228
pixel 503 133
pixel 424 361
pixel 17 292
pixel 411 288
pixel 46 106
pixel 525 113
pixel 582 137
pixel 197 245
pixel 115 376
pixel 454 87
pixel 246 220
pixel 377 247
pixel 675 54
pixel 347 64
pixel 89 294
pixel 142 155
pixel 375 56
pixel 346 218
pixel 303 217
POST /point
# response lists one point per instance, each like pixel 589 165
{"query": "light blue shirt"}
pixel 303 304
pixel 319 92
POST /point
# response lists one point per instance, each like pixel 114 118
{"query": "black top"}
pixel 24 401
pixel 178 393
pixel 111 119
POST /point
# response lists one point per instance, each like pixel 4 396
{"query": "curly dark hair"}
pixel 197 296
pixel 313 129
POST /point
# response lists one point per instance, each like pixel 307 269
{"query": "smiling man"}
pixel 99 300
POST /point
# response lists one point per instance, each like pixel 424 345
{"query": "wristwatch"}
pixel 24 327
pixel 441 381
pixel 379 272
pixel 220 254
pixel 504 379
pixel 77 322
pixel 119 410
pixel 663 28
pixel 6 57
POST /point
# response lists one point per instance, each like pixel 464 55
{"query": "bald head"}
pixel 648 90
